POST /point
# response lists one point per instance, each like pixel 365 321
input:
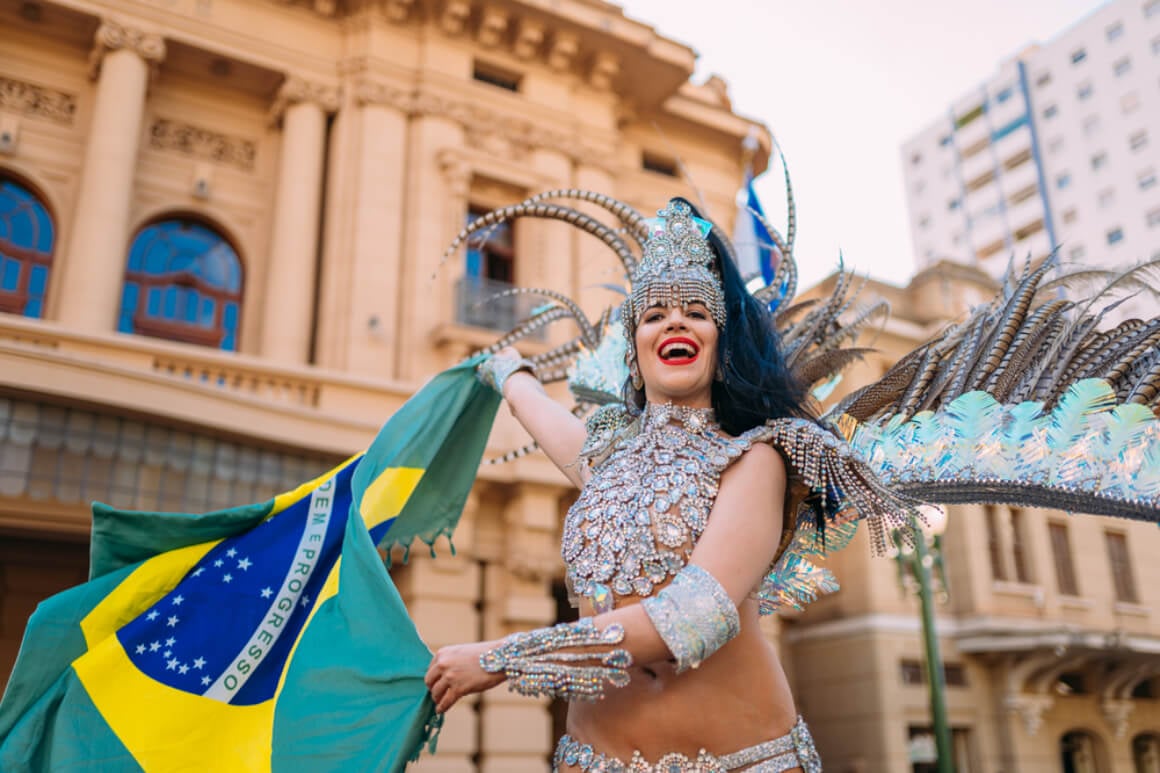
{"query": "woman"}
pixel 681 516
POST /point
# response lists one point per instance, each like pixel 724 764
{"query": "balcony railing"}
pixel 480 302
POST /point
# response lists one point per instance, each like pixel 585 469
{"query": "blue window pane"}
pixel 129 294
pixel 25 229
pixel 38 281
pixel 9 274
pixel 166 258
pixel 230 316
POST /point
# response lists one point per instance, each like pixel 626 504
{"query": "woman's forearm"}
pixel 551 425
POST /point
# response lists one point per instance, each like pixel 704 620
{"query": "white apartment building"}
pixel 1059 150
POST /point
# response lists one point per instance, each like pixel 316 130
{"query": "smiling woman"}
pixel 673 546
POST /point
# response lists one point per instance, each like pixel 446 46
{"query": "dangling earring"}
pixel 634 374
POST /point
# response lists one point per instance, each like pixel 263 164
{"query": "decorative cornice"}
pixel 454 18
pixel 203 144
pixel 1117 714
pixel 1030 709
pixel 29 99
pixel 398 10
pixel 297 90
pixel 493 23
pixel 529 39
pixel 368 92
pixel 562 50
pixel 114 36
pixel 605 68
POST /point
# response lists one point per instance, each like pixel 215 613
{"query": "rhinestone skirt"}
pixel 792 750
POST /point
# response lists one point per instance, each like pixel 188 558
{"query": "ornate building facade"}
pixel 221 227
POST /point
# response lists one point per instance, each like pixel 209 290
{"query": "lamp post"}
pixel 920 562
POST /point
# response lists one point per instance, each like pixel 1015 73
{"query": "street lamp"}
pixel 919 562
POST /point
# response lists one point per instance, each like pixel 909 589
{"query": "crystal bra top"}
pixel 647 502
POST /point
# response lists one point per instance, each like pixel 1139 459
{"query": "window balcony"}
pixel 480 302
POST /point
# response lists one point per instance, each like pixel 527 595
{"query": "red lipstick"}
pixel 687 343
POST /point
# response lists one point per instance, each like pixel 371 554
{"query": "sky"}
pixel 842 84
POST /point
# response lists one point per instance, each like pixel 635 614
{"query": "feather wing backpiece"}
pixel 1029 400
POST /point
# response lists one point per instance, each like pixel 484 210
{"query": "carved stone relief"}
pixel 203 144
pixel 35 101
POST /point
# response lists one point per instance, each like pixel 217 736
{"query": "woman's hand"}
pixel 455 672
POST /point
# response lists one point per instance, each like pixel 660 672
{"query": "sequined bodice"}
pixel 646 504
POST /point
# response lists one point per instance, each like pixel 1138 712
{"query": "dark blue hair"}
pixel 757 385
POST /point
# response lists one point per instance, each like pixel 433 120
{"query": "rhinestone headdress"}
pixel 677 267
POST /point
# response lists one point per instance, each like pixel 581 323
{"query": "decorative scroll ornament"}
pixel 114 36
pixel 29 99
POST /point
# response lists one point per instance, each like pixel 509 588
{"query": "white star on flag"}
pixel 172 621
pixel 199 663
pixel 171 665
pixel 267 592
pixel 305 599
pixel 245 563
pixel 218 563
pixel 206 681
pixel 184 669
pixel 197 572
pixel 140 649
pixel 177 600
pixel 151 616
pixel 170 641
pixel 231 552
pixel 228 578
pixel 167 654
pixel 154 646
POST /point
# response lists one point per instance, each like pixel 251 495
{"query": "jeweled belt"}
pixel 792 750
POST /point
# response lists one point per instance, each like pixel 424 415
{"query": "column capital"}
pixel 1030 709
pixel 369 92
pixel 296 90
pixel 112 35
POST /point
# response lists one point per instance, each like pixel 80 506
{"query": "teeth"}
pixel 677 350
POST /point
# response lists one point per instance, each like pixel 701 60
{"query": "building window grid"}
pixel 183 283
pixel 27 239
pixel 1065 576
pixel 994 546
pixel 1119 561
pixel 1019 555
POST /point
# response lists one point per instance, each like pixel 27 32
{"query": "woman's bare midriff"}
pixel 735 699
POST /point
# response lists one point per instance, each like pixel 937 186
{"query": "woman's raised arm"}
pixel 559 433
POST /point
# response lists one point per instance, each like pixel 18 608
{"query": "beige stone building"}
pixel 1049 635
pixel 221 224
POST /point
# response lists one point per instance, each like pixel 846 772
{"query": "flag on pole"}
pixel 265 637
pixel 755 246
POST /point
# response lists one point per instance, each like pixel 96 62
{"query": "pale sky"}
pixel 842 84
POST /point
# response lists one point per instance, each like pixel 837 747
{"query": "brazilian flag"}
pixel 265 637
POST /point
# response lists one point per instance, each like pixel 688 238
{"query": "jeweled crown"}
pixel 677 267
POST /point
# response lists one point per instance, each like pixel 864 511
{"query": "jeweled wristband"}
pixel 495 371
pixel 694 616
pixel 537 663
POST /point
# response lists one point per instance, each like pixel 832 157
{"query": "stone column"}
pixel 288 314
pixel 544 248
pixel 594 263
pixel 362 250
pixel 435 181
pixel 94 266
pixel 515 731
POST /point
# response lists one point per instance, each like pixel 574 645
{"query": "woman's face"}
pixel 676 349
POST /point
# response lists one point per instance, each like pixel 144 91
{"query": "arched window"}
pixel 1146 753
pixel 183 283
pixel 26 240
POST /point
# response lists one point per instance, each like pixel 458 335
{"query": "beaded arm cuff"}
pixel 495 371
pixel 535 663
pixel 694 615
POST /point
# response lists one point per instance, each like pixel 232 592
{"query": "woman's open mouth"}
pixel 678 351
